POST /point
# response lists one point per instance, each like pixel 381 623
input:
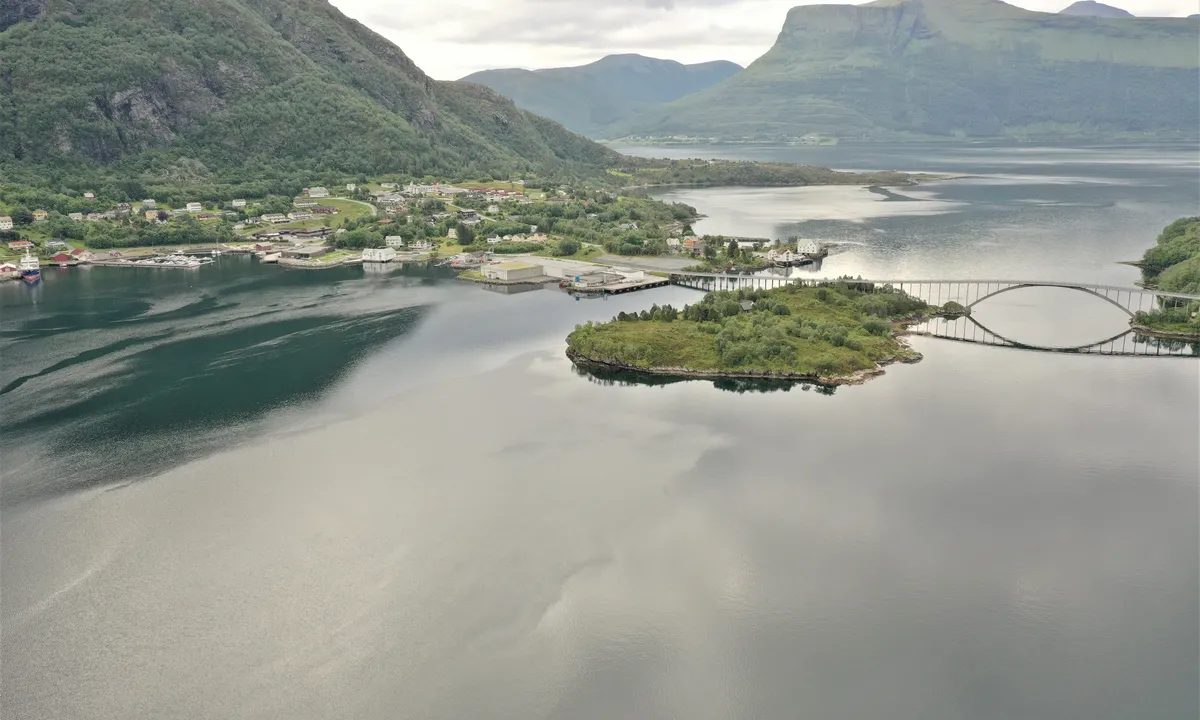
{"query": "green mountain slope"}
pixel 589 98
pixel 976 68
pixel 242 88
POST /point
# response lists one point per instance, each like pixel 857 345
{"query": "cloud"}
pixel 452 38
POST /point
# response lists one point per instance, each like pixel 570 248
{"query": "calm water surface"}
pixel 247 492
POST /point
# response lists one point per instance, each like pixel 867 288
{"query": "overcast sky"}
pixel 451 38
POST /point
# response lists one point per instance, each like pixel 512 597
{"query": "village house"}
pixel 149 204
pixel 421 245
pixel 300 216
pixel 382 255
pixel 628 226
pixel 494 239
pixel 52 244
pixel 40 215
pixel 93 217
pixel 61 258
pixel 77 217
pixel 351 187
pixel 89 196
pixel 239 203
pixel 194 207
pixel 493 209
pixel 80 253
pixel 206 216
pixel 325 211
pixel 452 233
pixel 6 222
pixel 274 218
pixel 8 269
pixel 316 192
pixel 20 245
pixel 673 245
pixel 123 207
pixel 151 215
pixel 471 222
pixel 393 241
pixel 301 203
pixel 693 244
pixel 389 185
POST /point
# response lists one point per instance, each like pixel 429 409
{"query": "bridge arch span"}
pixel 1077 288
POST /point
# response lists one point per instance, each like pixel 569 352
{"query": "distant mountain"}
pixel 244 88
pixel 589 98
pixel 896 69
pixel 1091 8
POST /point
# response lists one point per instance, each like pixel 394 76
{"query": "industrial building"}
pixel 512 271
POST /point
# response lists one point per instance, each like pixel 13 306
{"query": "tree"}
pixel 567 246
pixel 710 252
pixel 732 251
pixel 22 217
pixel 466 235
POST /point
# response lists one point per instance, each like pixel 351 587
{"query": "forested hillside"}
pixel 201 90
pixel 589 98
pixel 896 69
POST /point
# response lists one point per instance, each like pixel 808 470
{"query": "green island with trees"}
pixel 1173 265
pixel 835 333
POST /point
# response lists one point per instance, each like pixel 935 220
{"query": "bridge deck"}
pixel 917 281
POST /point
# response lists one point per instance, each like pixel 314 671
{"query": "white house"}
pixel 195 207
pixel 351 187
pixel 382 255
pixel 77 217
pixel 811 247
pixel 6 223
pixel 494 239
pixel 300 216
pixel 89 196
pixel 239 203
pixel 316 192
pixel 394 241
pixel 421 245
pixel 274 218
pixel 452 233
pixel 493 209
pixel 149 204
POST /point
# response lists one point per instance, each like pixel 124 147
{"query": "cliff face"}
pixel 14 11
pixel 237 83
pixel 980 68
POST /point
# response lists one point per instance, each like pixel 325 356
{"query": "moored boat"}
pixel 30 268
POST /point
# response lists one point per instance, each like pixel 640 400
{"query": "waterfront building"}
pixel 385 254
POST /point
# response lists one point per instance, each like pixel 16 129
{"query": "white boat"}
pixel 30 268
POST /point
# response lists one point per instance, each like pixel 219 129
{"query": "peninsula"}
pixel 838 333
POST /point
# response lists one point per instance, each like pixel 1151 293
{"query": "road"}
pixel 662 263
pixel 374 210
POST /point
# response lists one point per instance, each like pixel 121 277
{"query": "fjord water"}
pixel 248 492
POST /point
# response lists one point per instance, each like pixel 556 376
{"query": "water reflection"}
pixel 624 378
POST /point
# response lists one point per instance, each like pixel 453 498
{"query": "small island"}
pixel 837 333
pixel 1173 265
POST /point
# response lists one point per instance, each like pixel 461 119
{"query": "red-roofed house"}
pixel 78 251
pixel 20 245
pixel 61 258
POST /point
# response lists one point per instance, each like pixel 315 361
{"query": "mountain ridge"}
pixel 896 69
pixel 591 97
pixel 1091 8
pixel 235 86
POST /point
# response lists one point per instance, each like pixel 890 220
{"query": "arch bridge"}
pixel 969 293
